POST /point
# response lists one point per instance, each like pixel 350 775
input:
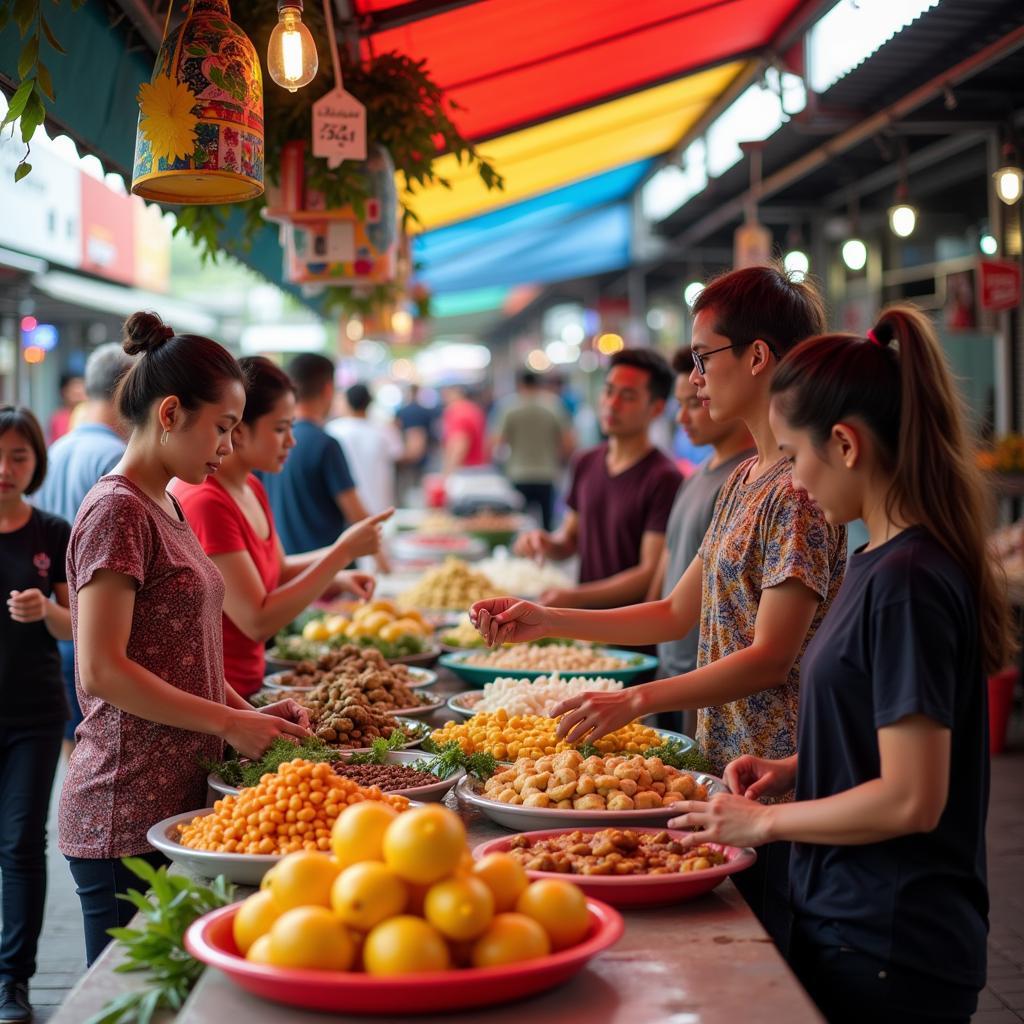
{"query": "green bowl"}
pixel 476 675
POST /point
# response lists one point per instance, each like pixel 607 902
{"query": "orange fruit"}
pixel 265 881
pixel 303 879
pixel 465 865
pixel 504 876
pixel 359 831
pixel 310 937
pixel 560 908
pixel 510 939
pixel 425 844
pixel 259 951
pixel 366 894
pixel 459 908
pixel 254 919
pixel 405 945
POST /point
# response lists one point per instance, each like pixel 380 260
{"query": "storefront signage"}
pixel 1000 284
pixel 339 128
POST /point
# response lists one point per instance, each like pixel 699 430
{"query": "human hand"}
pixel 288 709
pixel 251 732
pixel 501 620
pixel 28 605
pixel 725 818
pixel 364 537
pixel 755 777
pixel 362 584
pixel 535 544
pixel 593 714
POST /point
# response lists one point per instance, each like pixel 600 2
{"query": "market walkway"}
pixel 62 951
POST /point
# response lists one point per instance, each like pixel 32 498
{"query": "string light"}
pixel 292 59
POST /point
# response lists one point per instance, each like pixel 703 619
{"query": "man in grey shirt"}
pixel 74 463
pixel 691 513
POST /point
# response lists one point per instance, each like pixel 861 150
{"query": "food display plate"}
pixel 525 819
pixel 635 890
pixel 419 678
pixel 478 675
pixel 210 940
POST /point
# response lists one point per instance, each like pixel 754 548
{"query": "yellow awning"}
pixel 570 148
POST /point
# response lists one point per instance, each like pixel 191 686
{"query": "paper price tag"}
pixel 339 128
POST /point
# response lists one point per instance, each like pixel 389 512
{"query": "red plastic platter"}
pixel 210 940
pixel 635 890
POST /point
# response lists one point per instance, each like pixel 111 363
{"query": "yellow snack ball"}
pixel 405 945
pixel 504 876
pixel 303 879
pixel 365 894
pixel 312 938
pixel 425 844
pixel 560 908
pixel 358 834
pixel 510 939
pixel 253 919
pixel 459 908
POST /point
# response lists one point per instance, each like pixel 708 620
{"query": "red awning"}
pixel 512 63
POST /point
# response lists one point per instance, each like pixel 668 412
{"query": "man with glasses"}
pixel 620 496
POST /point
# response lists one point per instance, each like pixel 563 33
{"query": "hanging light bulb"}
pixel 855 254
pixel 692 292
pixel 902 219
pixel 797 264
pixel 1009 183
pixel 988 244
pixel 291 55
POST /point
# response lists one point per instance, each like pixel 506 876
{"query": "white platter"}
pixel 418 679
pixel 530 819
pixel 431 794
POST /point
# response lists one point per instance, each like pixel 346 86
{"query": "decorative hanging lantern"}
pixel 200 133
pixel 336 246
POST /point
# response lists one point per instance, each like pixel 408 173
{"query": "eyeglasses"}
pixel 700 357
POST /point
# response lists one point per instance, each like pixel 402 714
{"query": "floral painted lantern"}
pixel 200 133
pixel 336 246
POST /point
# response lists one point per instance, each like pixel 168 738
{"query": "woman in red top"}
pixel 264 588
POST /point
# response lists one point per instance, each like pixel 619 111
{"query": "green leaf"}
pixel 32 117
pixel 24 13
pixel 45 81
pixel 50 37
pixel 29 55
pixel 18 101
pixel 21 170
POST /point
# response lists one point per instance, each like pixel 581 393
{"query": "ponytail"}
pixel 897 381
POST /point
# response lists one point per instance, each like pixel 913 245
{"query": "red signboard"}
pixel 1000 284
pixel 108 233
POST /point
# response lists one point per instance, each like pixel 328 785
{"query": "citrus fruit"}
pixel 510 939
pixel 459 908
pixel 404 945
pixel 424 845
pixel 265 881
pixel 303 879
pixel 365 894
pixel 504 876
pixel 465 865
pixel 359 831
pixel 259 951
pixel 310 937
pixel 253 919
pixel 560 908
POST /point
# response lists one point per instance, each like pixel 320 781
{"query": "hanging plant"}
pixel 35 84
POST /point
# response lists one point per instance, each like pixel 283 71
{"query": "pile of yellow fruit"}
pixel 372 619
pixel 451 585
pixel 400 894
pixel 508 737
pixel 291 809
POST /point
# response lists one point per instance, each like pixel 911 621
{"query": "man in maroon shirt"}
pixel 621 493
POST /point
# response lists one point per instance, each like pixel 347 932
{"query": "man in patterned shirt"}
pixel 761 583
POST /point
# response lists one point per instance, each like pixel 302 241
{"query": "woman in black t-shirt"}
pixel 33 547
pixel 891 771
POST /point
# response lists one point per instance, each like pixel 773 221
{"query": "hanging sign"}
pixel 751 246
pixel 1000 284
pixel 339 128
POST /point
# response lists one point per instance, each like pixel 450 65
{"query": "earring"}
pixel 164 436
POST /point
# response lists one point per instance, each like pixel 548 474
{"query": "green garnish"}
pixel 448 759
pixel 588 750
pixel 673 754
pixel 380 748
pixel 237 772
pixel 171 904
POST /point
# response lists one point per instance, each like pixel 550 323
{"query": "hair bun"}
pixel 144 332
pixel 882 333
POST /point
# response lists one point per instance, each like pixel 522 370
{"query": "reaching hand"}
pixel 724 818
pixel 591 715
pixel 288 709
pixel 755 777
pixel 27 605
pixel 251 732
pixel 362 584
pixel 502 620
pixel 364 537
pixel 535 544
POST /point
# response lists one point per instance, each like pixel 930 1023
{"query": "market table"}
pixel 704 962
